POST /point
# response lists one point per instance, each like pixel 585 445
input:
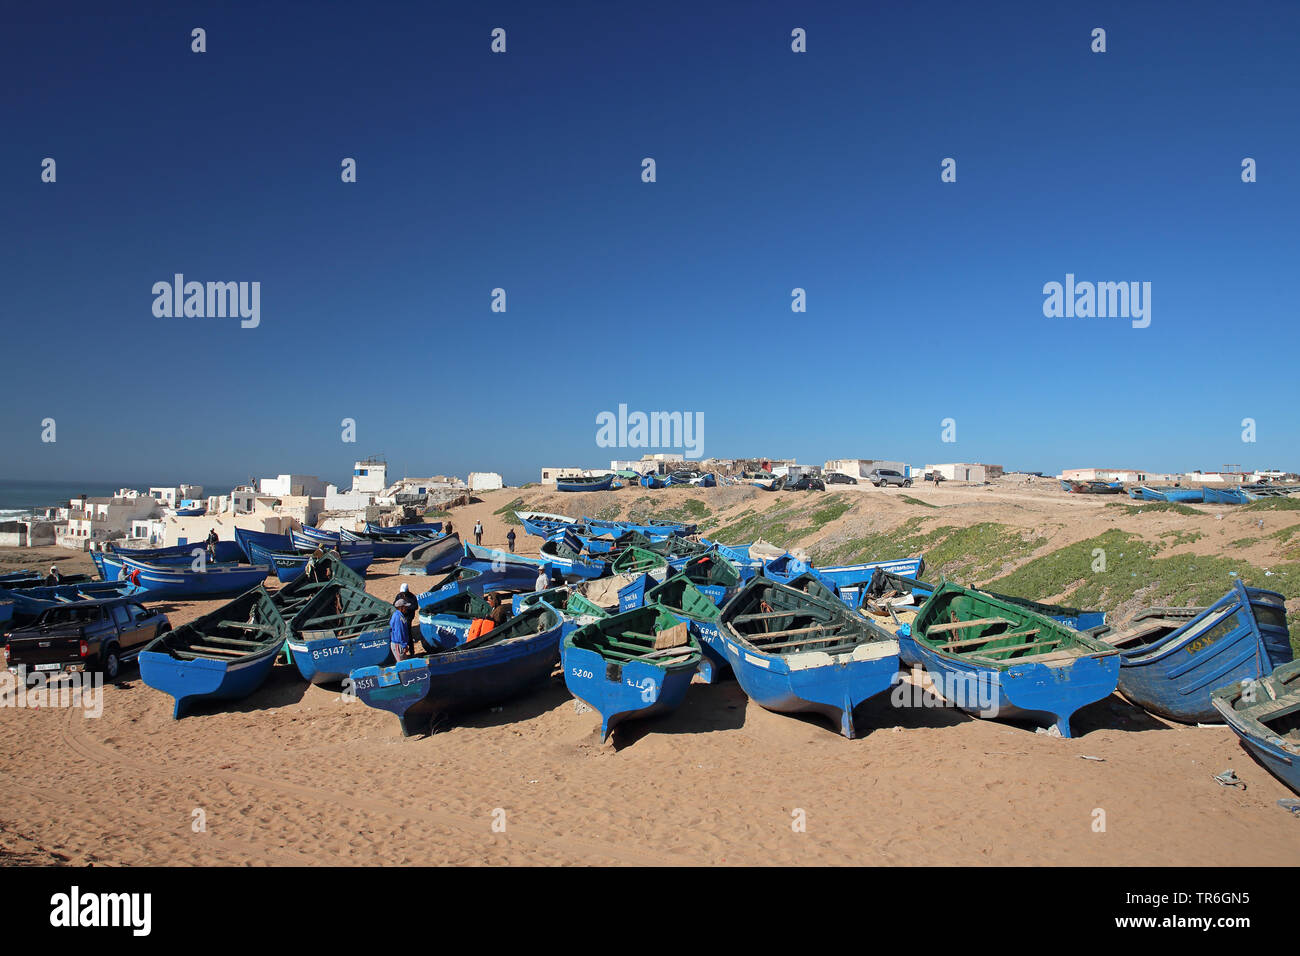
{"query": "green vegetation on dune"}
pixel 1132 565
pixel 1272 504
pixel 508 511
pixel 916 501
pixel 1177 538
pixel 786 523
pixel 1174 506
pixel 969 553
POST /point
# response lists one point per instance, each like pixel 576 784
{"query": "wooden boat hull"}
pixel 816 682
pixel 323 658
pixel 1081 671
pixel 1241 636
pixel 625 690
pixel 224 552
pixel 1226 496
pixel 162 581
pixel 289 566
pixel 28 603
pixel 596 484
pixel 268 540
pixel 191 680
pixel 686 602
pixel 431 528
pixel 1277 693
pixel 433 558
pixel 468 678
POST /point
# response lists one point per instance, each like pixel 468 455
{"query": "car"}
pixel 97 635
pixel 937 476
pixel 883 477
pixel 836 478
pixel 806 483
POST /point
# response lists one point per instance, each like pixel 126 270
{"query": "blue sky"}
pixel 775 170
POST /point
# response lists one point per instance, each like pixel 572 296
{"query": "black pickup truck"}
pixel 86 635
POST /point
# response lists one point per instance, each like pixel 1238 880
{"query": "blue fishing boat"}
pixel 426 528
pixel 1172 659
pixel 224 655
pixel 338 631
pixel 684 601
pixel 794 652
pixel 632 595
pixel 224 552
pixel 288 565
pixel 27 604
pixel 713 575
pixel 507 661
pixel 1225 496
pixel 15 578
pixel 785 567
pixel 994 658
pixel 1265 714
pixel 268 540
pixel 383 546
pixel 850 581
pixel 480 580
pixel 543 523
pixel 630 665
pixel 435 557
pixel 445 619
pixel 585 483
pixel 1185 495
pixel 188 581
pixel 652 481
pixel 309 539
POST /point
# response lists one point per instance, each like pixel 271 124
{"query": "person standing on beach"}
pixel 211 544
pixel 543 578
pixel 399 636
pixel 510 539
pixel 478 532
pixel 405 599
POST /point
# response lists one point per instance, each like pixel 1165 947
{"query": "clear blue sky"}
pixel 775 170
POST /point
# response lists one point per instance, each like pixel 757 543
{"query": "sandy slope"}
pixel 296 774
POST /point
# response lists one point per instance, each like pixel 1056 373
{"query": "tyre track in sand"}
pixel 536 835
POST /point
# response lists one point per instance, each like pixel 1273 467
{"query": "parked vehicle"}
pixel 836 478
pixel 806 483
pixel 85 635
pixel 887 476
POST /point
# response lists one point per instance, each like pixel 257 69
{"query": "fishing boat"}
pixel 24 583
pixel 339 630
pixel 686 602
pixel 27 577
pixel 209 579
pixel 794 652
pixel 1265 714
pixel 505 662
pixel 445 621
pixel 288 565
pixel 268 540
pixel 892 600
pixel 632 665
pixel 1172 659
pixel 850 580
pixel 652 481
pixel 713 575
pixel 27 604
pixel 994 658
pixel 543 523
pixel 632 595
pixel 224 552
pixel 585 483
pixel 309 539
pixel 483 578
pixel 636 560
pixel 1185 495
pixel 566 555
pixel 1226 496
pixel 1093 487
pixel 224 655
pixel 383 546
pixel 432 558
pixel 426 528
pixel 785 567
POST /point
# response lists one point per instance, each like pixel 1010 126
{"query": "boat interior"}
pixel 970 626
pixel 248 625
pixel 343 611
pixel 1154 625
pixel 783 621
pixel 632 637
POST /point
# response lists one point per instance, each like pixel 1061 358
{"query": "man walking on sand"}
pixel 510 539
pixel 478 532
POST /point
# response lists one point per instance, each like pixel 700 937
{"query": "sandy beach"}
pixel 298 774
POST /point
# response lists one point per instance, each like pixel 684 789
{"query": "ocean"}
pixel 18 498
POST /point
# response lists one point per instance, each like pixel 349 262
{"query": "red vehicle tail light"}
pixel 85 648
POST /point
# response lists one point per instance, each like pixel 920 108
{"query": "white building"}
pixel 95 520
pixel 550 474
pixel 485 481
pixel 370 476
pixel 861 467
pixel 967 471
pixel 283 486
